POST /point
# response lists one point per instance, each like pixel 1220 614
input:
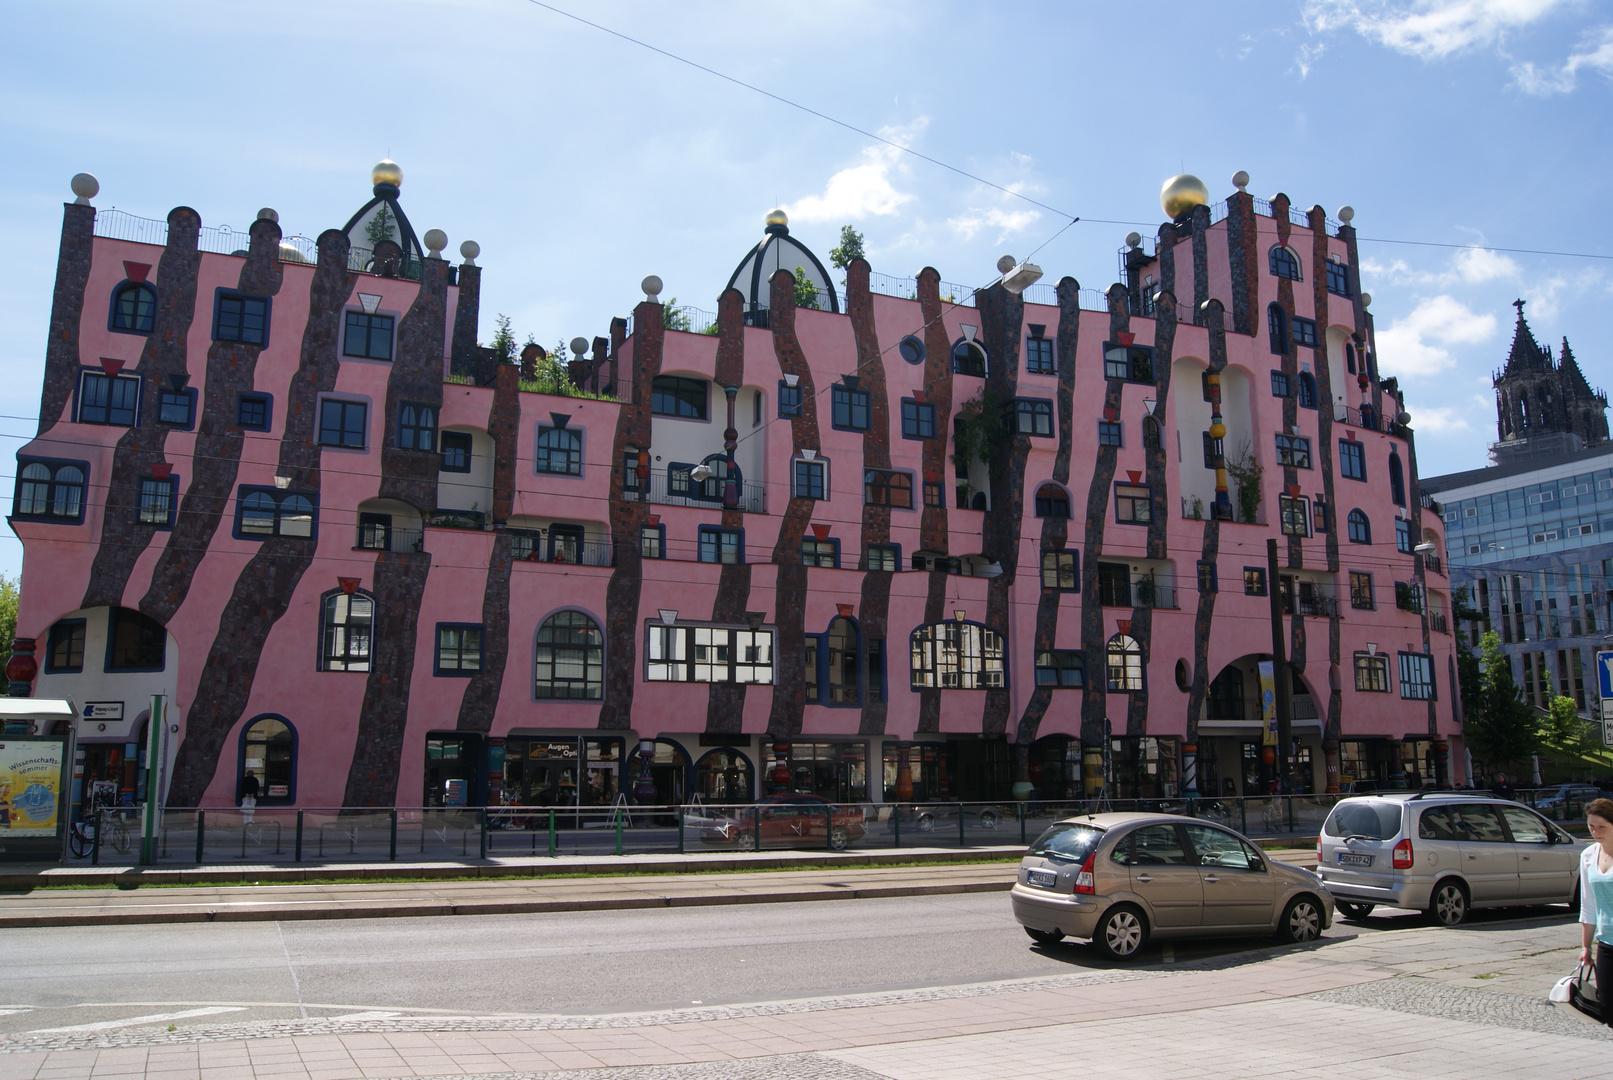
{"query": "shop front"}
pixel 557 770
pixel 837 771
pixel 108 758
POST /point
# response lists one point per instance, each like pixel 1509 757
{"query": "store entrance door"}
pixel 453 771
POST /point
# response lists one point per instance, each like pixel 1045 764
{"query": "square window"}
pixel 918 419
pixel 1372 673
pixel 1338 278
pixel 719 545
pixel 103 399
pixel 1304 331
pixel 1214 451
pixel 1281 385
pixel 824 553
pixel 884 488
pixel 1109 434
pixel 1033 417
pixel 65 651
pixel 652 541
pixel 1132 363
pixel 849 408
pixel 882 557
pixel 1254 581
pixel 686 399
pixel 456 451
pixel 1352 460
pixel 1296 515
pixel 1361 591
pixel 1064 668
pixel 157 502
pixel 1039 356
pixel 176 407
pixel 252 411
pixel 1134 504
pixel 1416 676
pixel 241 318
pixel 934 494
pixel 789 400
pixel 368 336
pixel 341 423
pixel 809 479
pixel 1207 579
pixel 1061 570
pixel 459 649
pixel 417 426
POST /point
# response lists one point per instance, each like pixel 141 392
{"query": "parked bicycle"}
pixel 81 838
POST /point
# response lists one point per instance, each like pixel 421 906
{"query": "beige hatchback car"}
pixel 1120 879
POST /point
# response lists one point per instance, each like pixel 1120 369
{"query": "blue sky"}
pixel 581 162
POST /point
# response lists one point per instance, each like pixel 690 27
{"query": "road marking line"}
pixel 365 1016
pixel 8 1012
pixel 154 1018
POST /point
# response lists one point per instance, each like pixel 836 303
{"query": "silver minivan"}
pixel 1445 853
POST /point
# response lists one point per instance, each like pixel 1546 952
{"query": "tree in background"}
pixel 675 317
pixel 380 227
pixel 806 293
pixel 503 345
pixel 849 248
pixel 1469 676
pixel 1501 728
pixel 8 617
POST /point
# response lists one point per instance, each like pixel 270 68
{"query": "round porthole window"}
pixel 912 349
pixel 1183 679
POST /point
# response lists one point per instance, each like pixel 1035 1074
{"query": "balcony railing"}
pixel 752 497
pixel 1314 603
pixel 387 538
pixel 1142 593
pixel 1432 562
pixel 535 546
pixel 1436 621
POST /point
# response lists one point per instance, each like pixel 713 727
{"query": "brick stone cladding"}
pixel 1162 597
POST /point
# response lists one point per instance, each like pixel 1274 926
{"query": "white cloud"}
pixel 1470 266
pixel 863 190
pixel 1446 420
pixel 1476 265
pixel 1417 346
pixel 1429 29
pixel 1595 53
pixel 1007 222
pixel 1306 59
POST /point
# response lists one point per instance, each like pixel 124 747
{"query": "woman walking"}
pixel 1596 899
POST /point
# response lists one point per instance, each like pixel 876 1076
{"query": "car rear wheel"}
pixel 838 838
pixel 1122 933
pixel 1045 937
pixel 1448 905
pixel 1353 911
pixel 1301 921
pixel 745 841
pixel 988 819
pixel 926 823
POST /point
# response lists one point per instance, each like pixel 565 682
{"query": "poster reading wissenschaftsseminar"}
pixel 30 787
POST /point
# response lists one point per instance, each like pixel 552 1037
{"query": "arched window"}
pixel 969 358
pixel 417 426
pixel 1277 328
pixel 724 776
pixel 570 658
pixel 559 451
pixel 1284 263
pixel 349 622
pixel 1151 436
pixel 1359 527
pixel 957 656
pixel 269 756
pixel 841 646
pixel 1307 390
pixel 49 489
pixel 1125 664
pixel 1052 501
pixel 135 642
pixel 134 308
pixel 1397 479
pixel 1349 357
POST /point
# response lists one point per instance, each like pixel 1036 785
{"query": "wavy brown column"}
pixel 1142 616
pixel 874 609
pixel 1002 313
pixel 123 537
pixel 623 593
pixel 1201 265
pixel 479 704
pixel 1324 456
pixel 933 533
pixel 1215 320
pixel 1055 530
pixel 400 577
pixel 265 586
pixel 1095 696
pixel 790 590
pixel 67 312
pixel 725 708
pixel 467 315
pixel 1290 368
pixel 1243 262
pixel 231 369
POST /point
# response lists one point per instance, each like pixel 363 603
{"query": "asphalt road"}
pixel 207 973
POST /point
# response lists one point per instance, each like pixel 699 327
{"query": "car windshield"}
pixel 1367 817
pixel 1072 842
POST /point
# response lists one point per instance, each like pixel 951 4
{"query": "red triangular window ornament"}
pixel 1136 475
pixel 111 366
pixel 349 584
pixel 1125 626
pixel 136 272
pixel 1125 337
pixel 821 532
pixel 1293 491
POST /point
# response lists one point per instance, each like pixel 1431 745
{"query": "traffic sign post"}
pixel 1604 682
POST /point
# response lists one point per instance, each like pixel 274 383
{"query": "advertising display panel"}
pixel 33 783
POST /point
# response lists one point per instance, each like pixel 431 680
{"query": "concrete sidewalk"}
pixel 1419 1003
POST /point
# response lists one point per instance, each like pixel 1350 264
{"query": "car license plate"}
pixel 1347 858
pixel 1045 879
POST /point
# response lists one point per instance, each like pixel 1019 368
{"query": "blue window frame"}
pixel 652 541
pixel 1061 570
pixel 135 642
pixel 1052 501
pixel 1039 352
pixel 1352 460
pixel 368 336
pixel 1307 390
pixel 1338 278
pixel 254 412
pixel 158 500
pixel 1403 536
pixel 1304 331
pixel 177 408
pixel 1110 433
pixel 417 426
pixel 1397 479
pixel 1033 416
pixel 824 553
pixel 789 400
pixel 262 512
pixel 834 672
pixel 1417 676
pixel 719 545
pixel 809 479
pixel 559 451
pixel 1062 668
pixel 103 399
pixel 456 451
pixel 1285 264
pixel 1281 385
pixel 1294 450
pixel 459 649
pixel 918 419
pixel 1277 329
pixel 849 408
pixel 269 740
pixel 885 558
pixel 64 649
pixel 346 631
pixel 134 308
pixel 241 318
pixel 341 423
pixel 885 487
pixel 50 490
pixel 674 395
pixel 1359 527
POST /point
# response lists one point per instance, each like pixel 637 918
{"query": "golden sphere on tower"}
pixel 387 171
pixel 1181 194
pixel 777 217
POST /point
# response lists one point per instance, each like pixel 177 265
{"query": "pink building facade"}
pixel 917 542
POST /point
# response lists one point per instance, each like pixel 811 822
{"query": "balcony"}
pixel 1433 563
pixel 1312 601
pixel 1436 621
pixel 1117 588
pixel 560 547
pixel 1366 419
pixel 751 497
pixel 374 536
